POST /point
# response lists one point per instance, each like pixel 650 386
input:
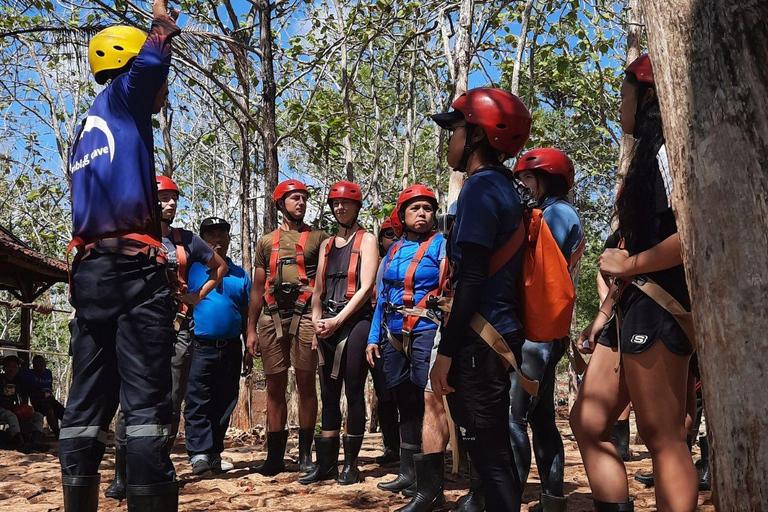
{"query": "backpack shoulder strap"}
pixel 509 249
pixel 181 254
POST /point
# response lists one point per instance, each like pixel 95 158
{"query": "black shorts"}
pixel 644 322
pixel 481 399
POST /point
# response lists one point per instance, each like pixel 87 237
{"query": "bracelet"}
pixel 603 312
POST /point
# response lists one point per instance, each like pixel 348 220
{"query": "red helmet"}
pixel 413 192
pixel 641 69
pixel 549 160
pixel 345 190
pixel 286 187
pixel 166 183
pixel 386 224
pixel 395 223
pixel 501 114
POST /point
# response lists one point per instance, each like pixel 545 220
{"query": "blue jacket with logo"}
pixel 112 164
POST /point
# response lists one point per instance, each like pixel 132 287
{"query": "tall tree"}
pixel 709 61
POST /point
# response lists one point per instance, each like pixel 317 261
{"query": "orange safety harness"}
pixel 272 285
pixel 182 310
pixel 411 312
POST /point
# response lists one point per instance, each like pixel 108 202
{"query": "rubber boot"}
pixel 702 465
pixel 351 474
pixel 620 439
pixel 627 506
pixel 306 435
pixel 81 493
pixel 430 479
pixel 275 463
pixel 116 489
pixel 327 467
pixel 474 501
pixel 407 475
pixel 154 498
pixel 645 478
pixel 390 433
pixel 549 503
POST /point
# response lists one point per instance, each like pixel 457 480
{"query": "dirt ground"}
pixel 31 483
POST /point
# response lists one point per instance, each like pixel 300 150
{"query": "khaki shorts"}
pixel 278 355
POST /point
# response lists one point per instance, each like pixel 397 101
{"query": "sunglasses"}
pixel 388 234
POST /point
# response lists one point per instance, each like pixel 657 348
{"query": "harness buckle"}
pixel 640 279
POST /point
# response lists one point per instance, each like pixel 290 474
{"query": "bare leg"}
pixel 690 407
pixel 657 381
pixel 277 408
pixel 602 397
pixel 625 414
pixel 434 431
pixel 305 384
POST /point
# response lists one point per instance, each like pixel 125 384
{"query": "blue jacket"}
pixel 112 162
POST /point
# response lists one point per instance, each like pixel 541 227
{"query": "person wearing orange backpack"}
pixel 647 361
pixel 487 126
pixel 280 326
pixel 408 328
pixel 549 174
pixel 341 314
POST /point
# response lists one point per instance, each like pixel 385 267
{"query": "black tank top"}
pixel 336 269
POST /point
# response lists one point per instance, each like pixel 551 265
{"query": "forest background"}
pixel 264 90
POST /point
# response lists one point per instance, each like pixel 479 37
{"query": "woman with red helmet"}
pixel 645 358
pixel 408 327
pixel 488 126
pixel 549 174
pixel 341 315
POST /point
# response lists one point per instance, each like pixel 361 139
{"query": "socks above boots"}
pixel 327 467
pixel 351 474
pixel 275 463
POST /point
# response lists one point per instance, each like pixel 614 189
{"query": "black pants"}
pixel 122 342
pixel 214 384
pixel 540 363
pixel 353 372
pixel 480 406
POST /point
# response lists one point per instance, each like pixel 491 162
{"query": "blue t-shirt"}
pixel 564 223
pixel 112 164
pixel 36 383
pixel 219 316
pixel 488 213
pixel 426 279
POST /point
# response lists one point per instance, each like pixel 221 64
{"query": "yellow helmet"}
pixel 113 48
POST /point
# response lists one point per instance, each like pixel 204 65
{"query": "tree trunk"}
pixel 521 46
pixel 462 60
pixel 709 62
pixel 409 115
pixel 634 48
pixel 269 126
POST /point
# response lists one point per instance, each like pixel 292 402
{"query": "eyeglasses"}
pixel 389 234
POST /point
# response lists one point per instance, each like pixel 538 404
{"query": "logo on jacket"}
pixel 95 122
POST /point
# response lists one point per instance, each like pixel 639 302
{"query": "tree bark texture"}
pixel 269 123
pixel 709 61
pixel 462 60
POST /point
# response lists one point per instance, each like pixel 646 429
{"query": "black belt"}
pixel 220 343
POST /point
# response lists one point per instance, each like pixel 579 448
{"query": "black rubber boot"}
pixel 154 498
pixel 627 506
pixel 327 467
pixel 620 439
pixel 702 465
pixel 275 463
pixel 81 493
pixel 474 500
pixel 548 503
pixel 645 478
pixel 390 433
pixel 430 479
pixel 407 475
pixel 351 474
pixel 116 489
pixel 306 435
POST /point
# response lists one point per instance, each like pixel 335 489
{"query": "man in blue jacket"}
pixel 214 378
pixel 122 336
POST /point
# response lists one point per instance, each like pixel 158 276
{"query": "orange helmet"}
pixel 286 187
pixel 550 160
